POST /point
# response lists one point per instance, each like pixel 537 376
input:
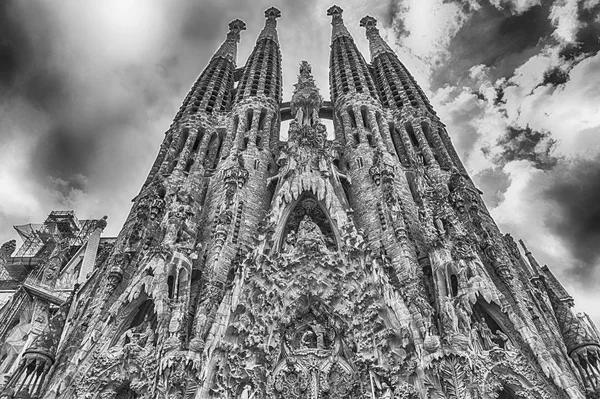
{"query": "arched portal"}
pixel 308 205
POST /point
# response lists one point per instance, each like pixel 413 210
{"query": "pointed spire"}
pixel 339 29
pixel 270 29
pixel 306 100
pixel 306 86
pixel 376 43
pixel 532 261
pixel 229 48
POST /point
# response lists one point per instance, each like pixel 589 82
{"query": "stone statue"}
pixel 290 242
pixel 486 335
pixel 475 339
pixel 463 314
pixel 506 342
pixel 142 335
pixel 310 235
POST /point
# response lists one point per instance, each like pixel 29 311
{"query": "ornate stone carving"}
pixel 312 363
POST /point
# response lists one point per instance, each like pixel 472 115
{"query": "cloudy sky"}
pixel 87 90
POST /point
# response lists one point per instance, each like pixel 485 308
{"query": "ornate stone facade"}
pixel 366 266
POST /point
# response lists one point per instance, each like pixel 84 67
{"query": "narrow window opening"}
pixel 261 119
pixel 249 115
pixel 398 145
pixel 170 284
pixel 428 280
pixel 256 164
pixel 363 112
pixel 411 134
pixel 188 165
pixel 198 140
pixel 184 136
pixel 454 284
pixel 352 117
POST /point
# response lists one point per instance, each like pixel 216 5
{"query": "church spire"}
pixel 229 47
pixel 349 72
pixel 212 89
pixel 306 100
pixel 262 73
pixel 537 269
pixel 270 29
pixel 376 43
pixel 339 29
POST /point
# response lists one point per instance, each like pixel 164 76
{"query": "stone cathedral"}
pixel 361 263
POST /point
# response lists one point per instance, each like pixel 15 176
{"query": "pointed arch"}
pixel 307 204
pixel 508 382
pixel 136 313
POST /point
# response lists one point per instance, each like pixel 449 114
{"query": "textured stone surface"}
pixel 363 267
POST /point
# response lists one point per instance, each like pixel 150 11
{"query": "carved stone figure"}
pixel 310 236
pixel 463 314
pixel 290 242
pixel 485 334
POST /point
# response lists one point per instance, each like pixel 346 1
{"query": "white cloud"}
pixel 570 111
pixel 564 16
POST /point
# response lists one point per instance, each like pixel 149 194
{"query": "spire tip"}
pixel 334 11
pixel 368 22
pixel 272 13
pixel 237 25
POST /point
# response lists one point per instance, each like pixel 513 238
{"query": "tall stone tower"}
pixel 361 267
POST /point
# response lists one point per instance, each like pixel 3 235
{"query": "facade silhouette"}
pixel 364 265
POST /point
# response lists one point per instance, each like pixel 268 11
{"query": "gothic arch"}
pixel 306 204
pixel 134 314
pixel 493 316
pixel 508 383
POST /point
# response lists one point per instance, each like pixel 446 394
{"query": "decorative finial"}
pixel 305 68
pixel 335 11
pixel 272 13
pixel 376 44
pixel 237 25
pixel 524 247
pixel 368 22
pixel 102 223
pixel 339 29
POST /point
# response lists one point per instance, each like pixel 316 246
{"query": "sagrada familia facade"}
pixel 366 266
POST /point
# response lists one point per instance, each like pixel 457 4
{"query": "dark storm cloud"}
pixel 555 76
pixel 526 144
pixel 203 20
pixel 576 192
pixel 496 38
pixel 15 46
pixel 85 109
pixel 587 38
pixel 25 66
